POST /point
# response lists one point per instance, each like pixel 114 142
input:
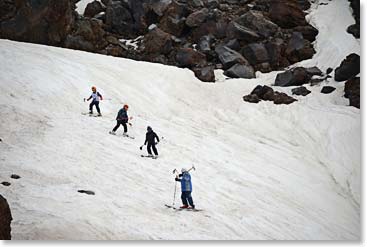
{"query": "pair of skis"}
pixel 128 136
pixel 91 115
pixel 183 209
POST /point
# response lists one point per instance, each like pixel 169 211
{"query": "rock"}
pixel 5 219
pixel 15 176
pixel 211 27
pixel 352 91
pixel 157 42
pixel 114 50
pixel 329 70
pixel 6 183
pixel 229 57
pixel 118 19
pixel 240 71
pixel 354 30
pixel 197 3
pixel 287 14
pixel 275 52
pixel 295 77
pixel 308 32
pixel 205 74
pixel 314 71
pixel 205 42
pixel 349 68
pixel 197 17
pixel 188 57
pixel 233 44
pixel 88 192
pixel 236 31
pixel 174 18
pixel 87 35
pixel 252 98
pixel 304 4
pixel 212 4
pixel 300 91
pixel 42 22
pixel 93 9
pixel 256 21
pixel 263 92
pixel 298 48
pixel 327 89
pixel 282 98
pixel 160 6
pixel 255 53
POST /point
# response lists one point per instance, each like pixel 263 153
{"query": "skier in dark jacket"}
pixel 150 140
pixel 122 119
pixel 96 96
pixel 186 189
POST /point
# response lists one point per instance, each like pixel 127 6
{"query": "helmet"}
pixel 183 170
pixel 126 106
pixel 149 128
pixel 94 88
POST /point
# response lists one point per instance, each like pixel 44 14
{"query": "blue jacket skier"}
pixel 122 119
pixel 96 96
pixel 186 189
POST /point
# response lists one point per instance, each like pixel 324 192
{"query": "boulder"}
pixel 160 6
pixel 42 22
pixel 118 19
pixel 5 219
pixel 174 18
pixel 157 42
pixel 205 42
pixel 240 71
pixel 308 32
pixel 87 35
pixel 295 77
pixel 283 98
pixel 229 57
pixel 275 50
pixel 252 98
pixel 211 27
pixel 329 70
pixel 212 4
pixel 188 57
pixel 349 68
pixel 287 14
pixel 197 17
pixel 314 71
pixel 93 9
pixel 233 44
pixel 352 91
pixel 205 74
pixel 303 91
pixel 237 31
pixel 327 89
pixel 263 92
pixel 255 53
pixel 298 48
pixel 354 29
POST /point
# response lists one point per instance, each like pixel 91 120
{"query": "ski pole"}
pixel 174 195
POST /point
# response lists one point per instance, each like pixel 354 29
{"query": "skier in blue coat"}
pixel 186 189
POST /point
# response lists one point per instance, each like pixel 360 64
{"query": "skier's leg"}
pixel 125 126
pixel 189 198
pixel 97 106
pixel 117 126
pixel 183 198
pixel 154 149
pixel 148 148
pixel 91 107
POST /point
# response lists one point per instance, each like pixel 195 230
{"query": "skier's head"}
pixel 126 107
pixel 183 170
pixel 94 89
pixel 149 129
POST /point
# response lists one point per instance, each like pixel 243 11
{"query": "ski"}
pixel 170 206
pixel 184 209
pixel 91 115
pixel 149 156
pixel 128 136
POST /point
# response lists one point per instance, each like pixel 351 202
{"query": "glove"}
pixel 141 148
pixel 130 124
pixel 177 179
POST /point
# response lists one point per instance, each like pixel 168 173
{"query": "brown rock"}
pixel 157 42
pixel 5 219
pixel 188 57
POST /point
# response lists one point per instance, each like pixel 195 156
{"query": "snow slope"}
pixel 263 171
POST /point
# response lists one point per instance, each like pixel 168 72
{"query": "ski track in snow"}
pixel 263 171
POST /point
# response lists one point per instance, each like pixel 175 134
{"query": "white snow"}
pixel 133 43
pixel 81 5
pixel 264 171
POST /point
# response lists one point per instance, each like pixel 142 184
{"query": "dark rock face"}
pixel 205 74
pixel 118 18
pixel 298 48
pixel 349 68
pixel 188 57
pixel 352 91
pixel 93 9
pixel 295 77
pixel 303 91
pixel 327 89
pixel 197 17
pixel 355 28
pixel 229 57
pixel 5 219
pixel 240 71
pixel 267 93
pixel 43 22
pixel 157 42
pixel 255 53
pixel 287 14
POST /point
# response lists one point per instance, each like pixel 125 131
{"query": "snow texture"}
pixel 263 171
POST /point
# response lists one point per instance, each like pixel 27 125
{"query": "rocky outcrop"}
pixel 348 68
pixel 268 94
pixel 354 29
pixel 42 22
pixel 352 91
pixel 5 219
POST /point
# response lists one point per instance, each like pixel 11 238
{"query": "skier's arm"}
pixel 100 95
pixel 89 98
pixel 177 179
pixel 146 139
pixel 156 136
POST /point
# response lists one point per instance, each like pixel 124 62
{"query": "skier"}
pixel 150 139
pixel 95 101
pixel 122 119
pixel 186 189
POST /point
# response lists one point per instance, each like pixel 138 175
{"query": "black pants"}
pixel 123 123
pixel 96 103
pixel 187 199
pixel 152 145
